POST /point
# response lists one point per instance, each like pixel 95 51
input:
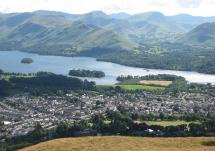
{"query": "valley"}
pixel 119 79
pixel 147 40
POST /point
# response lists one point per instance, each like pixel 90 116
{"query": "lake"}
pixel 10 61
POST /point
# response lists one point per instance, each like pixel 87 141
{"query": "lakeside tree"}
pixel 44 82
pixel 86 73
pixel 27 60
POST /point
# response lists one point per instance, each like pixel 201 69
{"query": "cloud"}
pixel 189 3
pixel 168 7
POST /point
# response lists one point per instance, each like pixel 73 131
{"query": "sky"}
pixel 168 7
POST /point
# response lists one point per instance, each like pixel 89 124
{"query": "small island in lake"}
pixel 86 73
pixel 27 60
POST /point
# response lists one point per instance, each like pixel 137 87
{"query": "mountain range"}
pixel 77 32
pixel 51 32
pixel 114 37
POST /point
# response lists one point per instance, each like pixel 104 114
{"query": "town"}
pixel 19 113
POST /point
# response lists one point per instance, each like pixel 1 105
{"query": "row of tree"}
pixel 166 77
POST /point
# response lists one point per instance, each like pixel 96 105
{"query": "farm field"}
pixel 141 87
pixel 133 87
pixel 118 143
pixel 156 82
pixel 7 77
pixel 136 84
pixel 168 123
pixel 4 77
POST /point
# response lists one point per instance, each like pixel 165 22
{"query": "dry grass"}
pixel 117 143
pixel 140 87
pixel 156 82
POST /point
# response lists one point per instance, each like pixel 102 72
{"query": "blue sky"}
pixel 168 7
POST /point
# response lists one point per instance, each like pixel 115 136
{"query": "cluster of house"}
pixel 20 113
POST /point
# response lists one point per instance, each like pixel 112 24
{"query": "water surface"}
pixel 10 62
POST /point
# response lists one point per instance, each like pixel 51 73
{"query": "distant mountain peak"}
pixel 97 13
pixel 150 16
pixel 152 13
pixel 120 15
pixel 201 35
pixel 52 13
pixel 182 14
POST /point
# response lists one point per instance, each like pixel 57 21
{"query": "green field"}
pixel 120 143
pixel 135 84
pixel 140 87
pixel 4 77
pixel 7 77
pixel 107 122
pixel 24 76
pixel 167 123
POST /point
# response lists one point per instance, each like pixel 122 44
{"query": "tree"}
pixel 37 133
pixel 162 116
pixel 5 88
pixel 1 71
pixel 196 129
pixel 98 122
pixel 62 130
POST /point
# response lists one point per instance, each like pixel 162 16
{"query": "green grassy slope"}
pixel 204 34
pixel 55 34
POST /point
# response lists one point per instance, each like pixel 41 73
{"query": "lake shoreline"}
pixel 106 60
pixel 59 64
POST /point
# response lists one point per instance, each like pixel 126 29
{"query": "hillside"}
pixel 157 19
pixel 120 15
pixel 204 34
pixel 43 30
pixel 153 26
pixel 143 27
pixel 189 21
pixel 148 40
pixel 115 143
pixel 53 33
